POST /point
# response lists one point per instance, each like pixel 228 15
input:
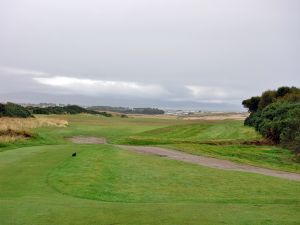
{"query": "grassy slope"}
pixel 111 174
pixel 199 132
pixel 189 136
pixel 220 139
pixel 28 176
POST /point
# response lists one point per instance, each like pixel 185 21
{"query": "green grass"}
pixel 220 139
pixel 204 131
pixel 40 183
pixel 263 156
pixel 201 132
pixel 107 173
pixel 45 185
pixel 114 129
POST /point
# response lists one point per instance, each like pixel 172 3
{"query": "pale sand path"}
pixel 194 159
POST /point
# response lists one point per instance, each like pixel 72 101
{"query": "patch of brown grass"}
pixel 18 124
pixel 12 129
pixel 12 135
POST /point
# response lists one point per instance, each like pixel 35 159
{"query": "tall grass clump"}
pixel 12 129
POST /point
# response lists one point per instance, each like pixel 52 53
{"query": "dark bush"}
pixel 266 99
pixel 277 117
pixel 150 111
pixel 69 109
pixel 251 104
pixel 14 110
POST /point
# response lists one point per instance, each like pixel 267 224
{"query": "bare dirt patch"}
pixel 210 162
pixel 88 140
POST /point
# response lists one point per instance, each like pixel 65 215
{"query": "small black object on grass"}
pixel 74 154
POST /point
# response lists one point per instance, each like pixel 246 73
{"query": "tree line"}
pixel 126 110
pixel 276 115
pixel 14 110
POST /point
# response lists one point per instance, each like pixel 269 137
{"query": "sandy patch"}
pixel 230 116
pixel 88 140
pixel 159 116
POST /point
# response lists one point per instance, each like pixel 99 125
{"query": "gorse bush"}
pixel 126 110
pixel 276 115
pixel 69 109
pixel 292 130
pixel 13 110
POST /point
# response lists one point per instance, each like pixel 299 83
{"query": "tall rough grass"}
pixel 12 129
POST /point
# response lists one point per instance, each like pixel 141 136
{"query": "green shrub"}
pixel 14 110
pixel 252 103
pixel 277 116
pixel 69 109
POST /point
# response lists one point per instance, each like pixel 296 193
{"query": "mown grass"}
pixel 43 184
pixel 263 156
pixel 228 131
pixel 165 190
pixel 221 139
pixel 108 173
pixel 205 130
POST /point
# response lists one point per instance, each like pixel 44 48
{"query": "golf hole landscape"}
pixel 149 112
pixel 143 170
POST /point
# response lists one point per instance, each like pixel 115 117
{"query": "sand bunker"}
pixel 88 140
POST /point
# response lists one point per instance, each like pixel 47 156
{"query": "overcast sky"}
pixel 203 54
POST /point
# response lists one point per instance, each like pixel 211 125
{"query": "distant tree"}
pixel 151 111
pixel 69 109
pixel 14 110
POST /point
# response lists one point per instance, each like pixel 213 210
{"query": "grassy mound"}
pixel 107 173
pixel 202 132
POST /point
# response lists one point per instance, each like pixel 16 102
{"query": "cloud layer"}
pixel 71 85
pixel 97 87
pixel 150 52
